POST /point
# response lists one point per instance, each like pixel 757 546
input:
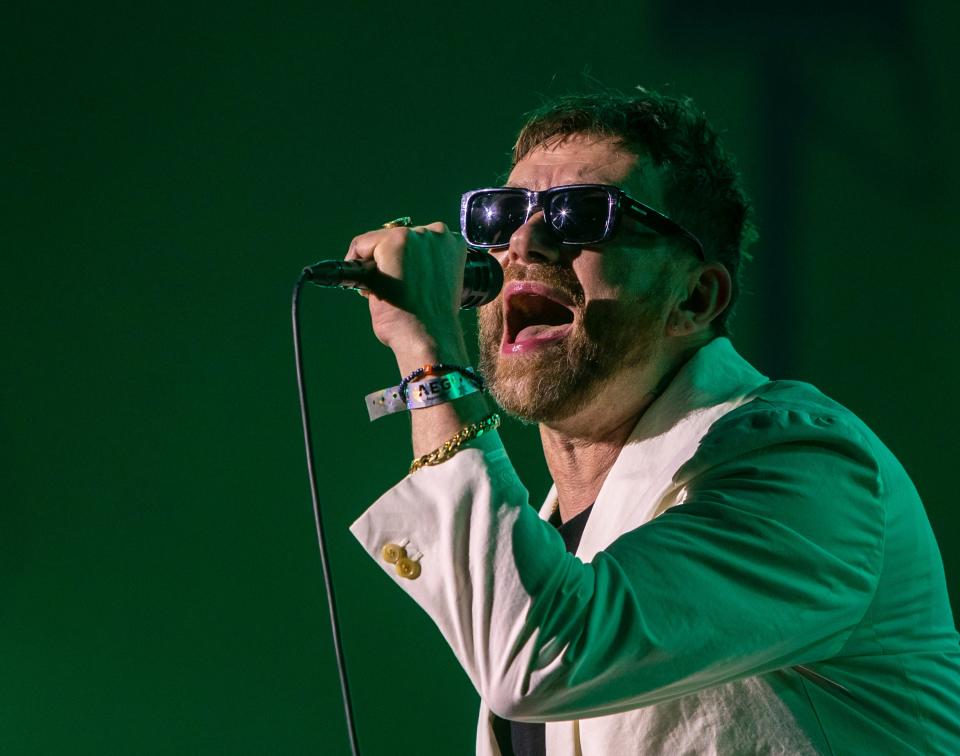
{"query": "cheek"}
pixel 619 265
pixel 616 291
pixel 632 274
pixel 596 278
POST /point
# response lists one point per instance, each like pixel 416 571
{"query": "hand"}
pixel 414 295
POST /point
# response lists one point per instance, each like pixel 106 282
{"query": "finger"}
pixel 439 227
pixel 381 252
pixel 362 247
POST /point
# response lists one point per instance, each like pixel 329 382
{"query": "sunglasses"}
pixel 579 214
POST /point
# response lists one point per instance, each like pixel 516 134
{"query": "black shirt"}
pixel 529 738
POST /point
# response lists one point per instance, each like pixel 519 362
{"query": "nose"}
pixel 533 243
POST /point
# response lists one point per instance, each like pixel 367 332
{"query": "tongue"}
pixel 540 331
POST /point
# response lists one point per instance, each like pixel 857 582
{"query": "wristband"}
pixel 411 395
pixel 441 368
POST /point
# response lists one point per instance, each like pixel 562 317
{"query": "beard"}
pixel 558 379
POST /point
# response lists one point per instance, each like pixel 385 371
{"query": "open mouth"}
pixel 535 314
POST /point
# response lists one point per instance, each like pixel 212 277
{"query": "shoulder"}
pixel 789 421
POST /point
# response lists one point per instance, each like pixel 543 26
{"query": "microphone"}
pixel 482 276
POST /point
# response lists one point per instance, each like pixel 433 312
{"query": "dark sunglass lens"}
pixel 579 215
pixel 492 217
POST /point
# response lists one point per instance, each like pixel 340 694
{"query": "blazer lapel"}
pixel 715 381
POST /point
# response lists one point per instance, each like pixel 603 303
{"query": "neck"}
pixel 581 449
pixel 579 465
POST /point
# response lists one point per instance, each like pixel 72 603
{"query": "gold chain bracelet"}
pixel 453 445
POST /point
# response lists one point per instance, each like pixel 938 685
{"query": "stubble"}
pixel 556 381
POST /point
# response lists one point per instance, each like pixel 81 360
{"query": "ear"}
pixel 708 294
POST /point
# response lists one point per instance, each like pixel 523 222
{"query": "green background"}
pixel 167 172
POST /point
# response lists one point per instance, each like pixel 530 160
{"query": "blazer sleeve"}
pixel 771 561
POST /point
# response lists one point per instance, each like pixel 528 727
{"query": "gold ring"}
pixel 402 222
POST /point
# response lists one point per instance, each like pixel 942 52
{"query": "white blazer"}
pixel 738 587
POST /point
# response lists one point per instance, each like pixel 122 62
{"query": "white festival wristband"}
pixel 430 391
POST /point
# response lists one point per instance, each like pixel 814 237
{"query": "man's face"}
pixel 570 320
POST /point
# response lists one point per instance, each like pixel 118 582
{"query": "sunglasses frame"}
pixel 618 202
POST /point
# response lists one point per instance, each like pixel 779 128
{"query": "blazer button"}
pixel 407 568
pixel 393 553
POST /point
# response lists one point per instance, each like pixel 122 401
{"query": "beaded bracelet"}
pixel 453 445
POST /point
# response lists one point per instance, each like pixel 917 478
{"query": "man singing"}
pixel 725 564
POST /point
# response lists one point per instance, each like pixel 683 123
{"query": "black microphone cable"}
pixel 318 519
pixel 483 278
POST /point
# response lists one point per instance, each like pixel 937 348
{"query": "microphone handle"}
pixel 342 274
pixel 482 276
